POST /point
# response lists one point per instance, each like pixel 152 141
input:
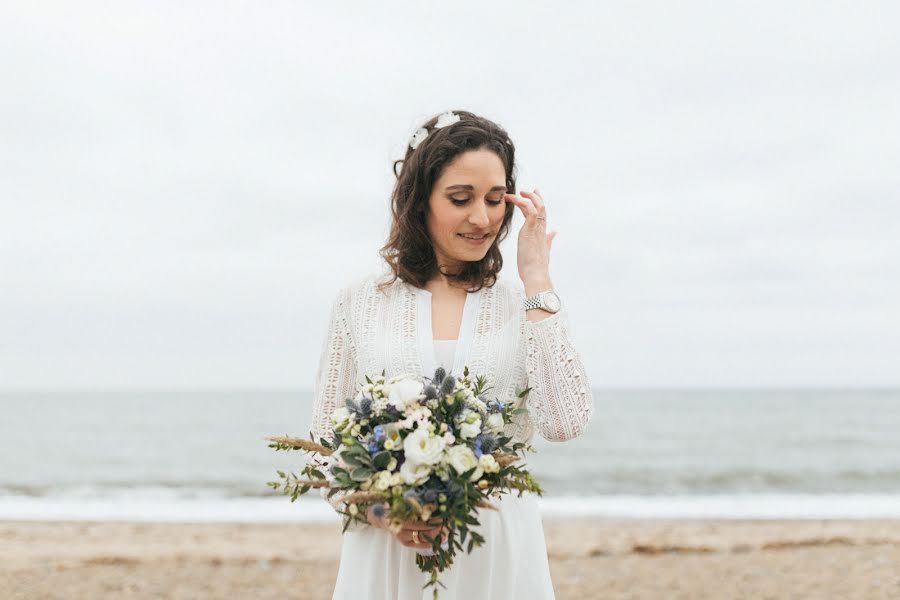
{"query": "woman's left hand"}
pixel 534 241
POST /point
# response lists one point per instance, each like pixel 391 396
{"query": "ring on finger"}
pixel 415 537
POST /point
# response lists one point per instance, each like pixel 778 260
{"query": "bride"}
pixel 440 304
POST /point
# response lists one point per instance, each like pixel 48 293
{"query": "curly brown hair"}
pixel 409 251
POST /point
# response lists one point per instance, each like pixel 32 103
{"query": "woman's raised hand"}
pixel 533 253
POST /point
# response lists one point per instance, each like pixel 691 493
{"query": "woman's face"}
pixel 467 199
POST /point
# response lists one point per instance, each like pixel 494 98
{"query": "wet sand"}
pixel 589 559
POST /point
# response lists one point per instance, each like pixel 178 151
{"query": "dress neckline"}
pixel 425 332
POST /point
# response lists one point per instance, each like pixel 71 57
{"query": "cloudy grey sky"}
pixel 185 185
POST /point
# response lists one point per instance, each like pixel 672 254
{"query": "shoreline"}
pixel 589 558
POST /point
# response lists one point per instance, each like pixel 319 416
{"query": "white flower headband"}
pixel 447 118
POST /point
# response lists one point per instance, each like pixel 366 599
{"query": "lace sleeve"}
pixel 560 402
pixel 335 382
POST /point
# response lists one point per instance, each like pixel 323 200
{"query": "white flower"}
pixel 448 118
pixel 470 430
pixel 419 413
pixel 420 134
pixel 404 392
pixel 392 432
pixel 422 448
pixel 382 480
pixel 489 463
pixel 462 459
pixel 340 415
pixel 413 474
pixel 495 423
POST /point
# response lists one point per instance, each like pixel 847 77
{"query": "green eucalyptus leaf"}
pixel 381 460
pixel 360 473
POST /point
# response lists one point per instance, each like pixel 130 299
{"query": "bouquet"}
pixel 417 448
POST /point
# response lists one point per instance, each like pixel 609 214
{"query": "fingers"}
pixel 425 537
pixel 425 532
pixel 524 204
pixel 406 538
pixel 536 199
pixel 531 205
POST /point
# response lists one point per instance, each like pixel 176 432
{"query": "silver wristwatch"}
pixel 548 300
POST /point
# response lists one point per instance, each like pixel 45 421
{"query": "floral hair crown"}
pixel 447 118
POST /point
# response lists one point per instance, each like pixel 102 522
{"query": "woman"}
pixel 443 305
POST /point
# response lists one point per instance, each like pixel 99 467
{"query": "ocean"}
pixel 201 456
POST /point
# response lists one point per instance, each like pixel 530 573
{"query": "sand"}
pixel 596 559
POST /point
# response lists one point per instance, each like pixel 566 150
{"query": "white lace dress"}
pixel 370 331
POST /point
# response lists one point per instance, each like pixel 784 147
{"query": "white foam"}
pixel 314 509
pixel 727 506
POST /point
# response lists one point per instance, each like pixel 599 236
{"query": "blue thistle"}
pixel 352 406
pixel 439 375
pixel 378 510
pixel 478 451
pixel 447 385
pixel 379 433
pixel 488 442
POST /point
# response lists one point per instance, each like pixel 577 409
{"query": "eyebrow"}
pixel 470 188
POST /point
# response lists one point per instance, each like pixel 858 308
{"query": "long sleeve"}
pixel 561 402
pixel 335 380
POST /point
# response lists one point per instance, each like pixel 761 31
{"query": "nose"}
pixel 479 216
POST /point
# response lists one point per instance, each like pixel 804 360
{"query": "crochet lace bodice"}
pixel 370 331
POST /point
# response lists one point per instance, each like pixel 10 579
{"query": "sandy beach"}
pixel 590 559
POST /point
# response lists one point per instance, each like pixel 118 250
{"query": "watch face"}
pixel 552 301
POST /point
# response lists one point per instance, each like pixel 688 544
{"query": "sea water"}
pixel 201 455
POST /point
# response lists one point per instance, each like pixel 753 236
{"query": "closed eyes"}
pixel 461 201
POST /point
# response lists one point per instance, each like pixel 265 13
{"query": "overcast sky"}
pixel 184 189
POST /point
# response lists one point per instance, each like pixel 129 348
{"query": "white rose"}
pixel 403 392
pixel 423 448
pixel 495 423
pixel 470 430
pixel 414 474
pixel 489 463
pixel 462 459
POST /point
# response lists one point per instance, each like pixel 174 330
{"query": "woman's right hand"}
pixel 432 528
